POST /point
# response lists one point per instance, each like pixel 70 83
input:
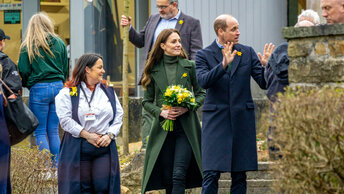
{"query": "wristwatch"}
pixel 111 135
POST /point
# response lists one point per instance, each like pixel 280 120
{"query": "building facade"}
pixel 93 26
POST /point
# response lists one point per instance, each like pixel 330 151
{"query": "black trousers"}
pixel 94 169
pixel 211 178
pixel 181 157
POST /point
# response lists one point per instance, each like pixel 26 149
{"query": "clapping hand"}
pixel 267 53
pixel 228 55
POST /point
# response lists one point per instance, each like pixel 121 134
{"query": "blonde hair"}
pixel 39 28
pixel 156 54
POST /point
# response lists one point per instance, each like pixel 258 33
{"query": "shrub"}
pixel 310 135
pixel 32 171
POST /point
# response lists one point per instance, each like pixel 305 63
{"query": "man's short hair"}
pixel 221 23
pixel 172 1
pixel 310 14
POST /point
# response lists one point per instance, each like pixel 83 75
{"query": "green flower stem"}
pixel 167 125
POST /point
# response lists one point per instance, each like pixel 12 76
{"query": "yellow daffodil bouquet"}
pixel 176 95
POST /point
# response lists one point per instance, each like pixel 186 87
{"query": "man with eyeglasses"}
pixel 170 16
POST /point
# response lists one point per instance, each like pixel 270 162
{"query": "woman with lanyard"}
pixel 91 116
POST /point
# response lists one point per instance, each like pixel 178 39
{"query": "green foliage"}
pixel 32 171
pixel 310 135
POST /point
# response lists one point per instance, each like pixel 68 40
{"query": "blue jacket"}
pixel 276 71
pixel 5 152
pixel 228 119
pixel 69 157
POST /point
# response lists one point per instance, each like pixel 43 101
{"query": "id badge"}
pixel 90 116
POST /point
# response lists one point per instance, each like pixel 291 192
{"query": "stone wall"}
pixel 316 55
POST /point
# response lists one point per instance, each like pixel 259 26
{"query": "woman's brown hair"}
pixel 156 54
pixel 79 72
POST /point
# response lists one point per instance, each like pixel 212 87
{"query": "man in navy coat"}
pixel 228 123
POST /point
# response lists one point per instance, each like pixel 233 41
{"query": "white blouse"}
pixel 100 105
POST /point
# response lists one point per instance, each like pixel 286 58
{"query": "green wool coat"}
pixel 152 102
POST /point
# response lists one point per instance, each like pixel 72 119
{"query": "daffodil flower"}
pixel 74 91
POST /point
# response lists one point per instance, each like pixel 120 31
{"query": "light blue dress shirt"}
pixel 218 44
pixel 165 24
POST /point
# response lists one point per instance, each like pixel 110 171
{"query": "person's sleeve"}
pixel 148 99
pixel 115 128
pixel 64 113
pixel 138 38
pixel 24 67
pixel 198 91
pixel 196 42
pixel 11 77
pixel 207 76
pixel 65 62
pixel 257 70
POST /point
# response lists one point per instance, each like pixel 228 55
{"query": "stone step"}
pixel 263 190
pixel 264 165
pixel 263 172
pixel 253 183
pixel 253 187
pixel 250 175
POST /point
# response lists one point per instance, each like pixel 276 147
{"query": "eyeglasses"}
pixel 162 6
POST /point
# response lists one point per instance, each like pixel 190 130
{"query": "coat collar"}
pixel 160 77
pixel 218 55
pixel 155 22
pixel 237 59
pixel 180 21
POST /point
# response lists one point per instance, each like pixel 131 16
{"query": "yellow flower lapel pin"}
pixel 239 53
pixel 181 22
pixel 74 91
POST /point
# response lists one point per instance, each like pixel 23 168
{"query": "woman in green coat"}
pixel 173 158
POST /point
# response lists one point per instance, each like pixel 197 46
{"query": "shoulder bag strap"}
pixel 3 83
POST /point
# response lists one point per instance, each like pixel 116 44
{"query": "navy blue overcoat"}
pixel 228 119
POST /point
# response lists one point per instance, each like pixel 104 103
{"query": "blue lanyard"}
pixel 89 102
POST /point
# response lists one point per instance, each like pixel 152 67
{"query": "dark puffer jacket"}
pixel 10 74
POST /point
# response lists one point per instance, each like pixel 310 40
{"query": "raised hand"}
pixel 228 55
pixel 267 53
pixel 125 21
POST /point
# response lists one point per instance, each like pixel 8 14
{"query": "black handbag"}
pixel 20 121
